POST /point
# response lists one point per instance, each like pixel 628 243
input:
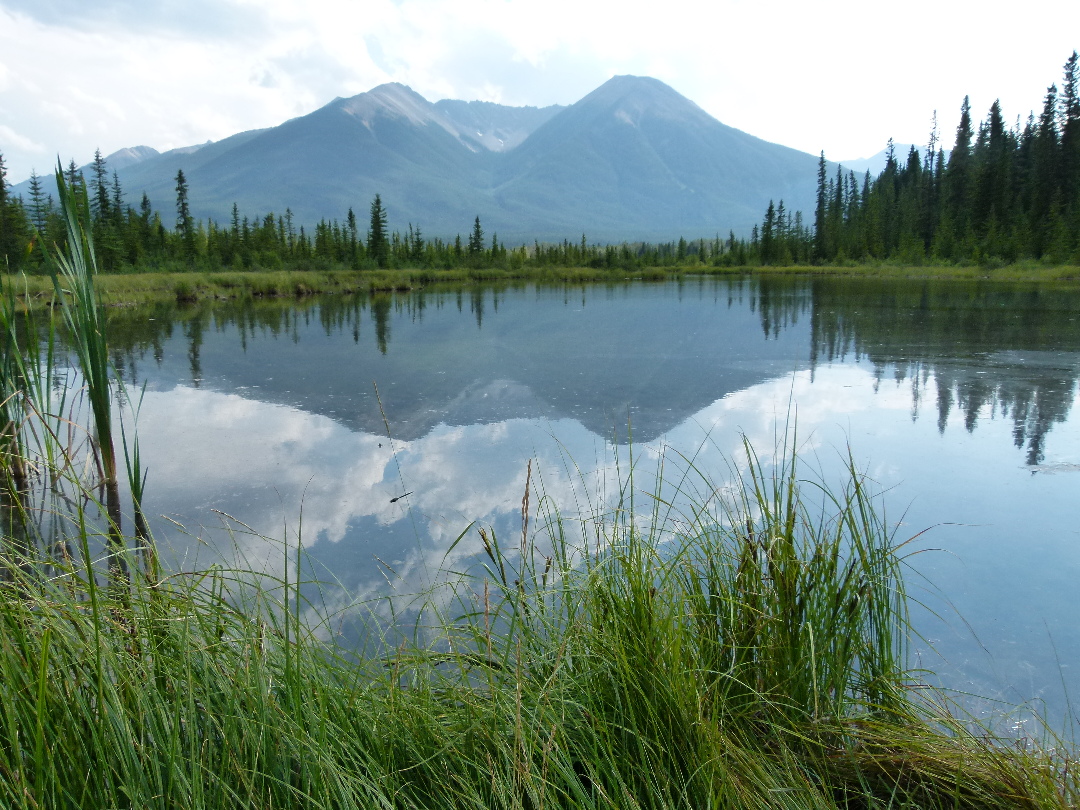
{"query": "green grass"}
pixel 134 289
pixel 743 653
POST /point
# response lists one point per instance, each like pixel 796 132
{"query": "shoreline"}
pixel 135 289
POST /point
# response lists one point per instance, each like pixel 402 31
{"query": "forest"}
pixel 1004 194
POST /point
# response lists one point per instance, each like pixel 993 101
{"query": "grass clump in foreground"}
pixel 751 657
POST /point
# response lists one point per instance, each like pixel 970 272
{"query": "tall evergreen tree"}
pixel 1046 176
pixel 99 192
pixel 15 231
pixel 957 184
pixel 476 240
pixel 39 203
pixel 821 248
pixel 1069 129
pixel 378 244
pixel 185 226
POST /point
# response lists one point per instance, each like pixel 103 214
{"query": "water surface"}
pixel 380 428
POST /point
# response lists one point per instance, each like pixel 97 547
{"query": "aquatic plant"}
pixel 72 270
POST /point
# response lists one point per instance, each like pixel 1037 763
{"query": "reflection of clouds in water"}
pixel 262 463
pixel 265 463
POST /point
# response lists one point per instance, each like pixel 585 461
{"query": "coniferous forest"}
pixel 1004 194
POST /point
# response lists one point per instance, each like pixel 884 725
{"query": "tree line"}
pixel 1003 194
pixel 139 239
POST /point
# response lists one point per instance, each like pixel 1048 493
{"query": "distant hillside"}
pixel 876 163
pixel 632 160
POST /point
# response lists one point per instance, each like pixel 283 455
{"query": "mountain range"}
pixel 632 160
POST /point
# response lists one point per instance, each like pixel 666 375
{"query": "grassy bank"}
pixel 133 289
pixel 750 658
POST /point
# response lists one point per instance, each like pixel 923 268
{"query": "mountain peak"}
pixel 130 155
pixel 629 98
pixel 397 100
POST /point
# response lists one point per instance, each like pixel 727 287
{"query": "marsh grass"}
pixel 695 662
pixel 185 285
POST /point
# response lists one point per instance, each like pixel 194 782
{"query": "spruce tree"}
pixel 957 183
pixel 476 240
pixel 377 243
pixel 99 199
pixel 1069 128
pixel 185 226
pixel 821 250
pixel 39 204
pixel 14 226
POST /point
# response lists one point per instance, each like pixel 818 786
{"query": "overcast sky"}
pixel 837 75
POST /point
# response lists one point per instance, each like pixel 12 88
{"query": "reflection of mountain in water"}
pixel 1010 348
pixel 647 355
pixel 609 355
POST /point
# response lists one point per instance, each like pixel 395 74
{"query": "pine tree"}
pixel 74 177
pixel 958 181
pixel 476 240
pixel 99 200
pixel 378 245
pixel 768 236
pixel 1045 175
pixel 14 226
pixel 1069 128
pixel 39 204
pixel 185 226
pixel 821 246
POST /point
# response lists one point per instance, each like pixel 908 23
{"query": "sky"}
pixel 839 76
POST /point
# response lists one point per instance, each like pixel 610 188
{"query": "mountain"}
pixel 632 160
pixel 494 126
pixel 636 157
pixel 125 158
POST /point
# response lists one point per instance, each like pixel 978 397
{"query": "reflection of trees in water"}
pixel 984 345
pixel 778 302
pixel 138 332
pixel 1010 348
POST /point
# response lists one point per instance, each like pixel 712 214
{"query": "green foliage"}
pixel 1003 195
pixel 743 653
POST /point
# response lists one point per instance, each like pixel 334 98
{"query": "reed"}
pixel 73 269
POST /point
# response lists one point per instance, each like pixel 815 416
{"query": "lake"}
pixel 378 429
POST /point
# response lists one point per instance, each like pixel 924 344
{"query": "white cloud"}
pixel 10 136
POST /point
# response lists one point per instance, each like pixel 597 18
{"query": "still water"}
pixel 378 429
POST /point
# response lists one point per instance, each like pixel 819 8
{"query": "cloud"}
pixel 838 76
pixel 202 18
pixel 13 138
